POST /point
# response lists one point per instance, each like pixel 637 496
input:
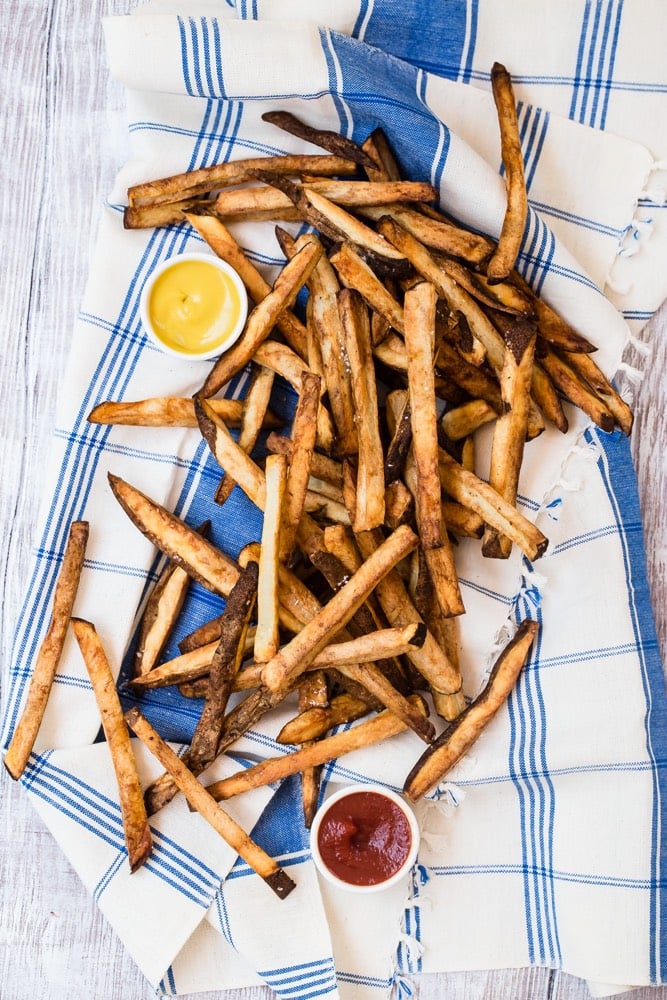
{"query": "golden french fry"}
pixel 150 216
pixel 567 380
pixel 266 636
pixel 460 421
pixel 50 651
pixel 170 411
pixel 201 560
pixel 369 511
pixel 382 727
pixel 430 660
pixel 206 179
pixel 441 756
pixel 294 657
pixel 324 288
pixel 255 405
pixel 419 346
pixel 504 256
pixel 312 723
pixel 320 465
pixel 474 493
pixel 355 273
pixel 304 427
pixel 137 833
pixel 160 614
pixel 245 202
pixel 206 806
pixel 435 231
pixel 263 317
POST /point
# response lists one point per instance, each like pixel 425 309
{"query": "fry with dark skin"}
pixel 223 669
pixel 504 256
pixel 327 139
pixel 137 833
pixel 303 435
pixel 312 723
pixel 200 799
pixel 441 756
pixel 50 651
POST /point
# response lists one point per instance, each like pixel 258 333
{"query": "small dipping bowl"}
pixel 364 838
pixel 193 306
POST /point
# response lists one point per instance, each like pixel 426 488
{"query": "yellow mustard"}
pixel 194 306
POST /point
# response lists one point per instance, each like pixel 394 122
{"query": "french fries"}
pixel 137 833
pixel 206 806
pixel 50 651
pixel 437 759
pixel 504 256
pixel 415 334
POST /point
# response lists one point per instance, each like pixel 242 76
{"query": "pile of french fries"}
pixel 417 332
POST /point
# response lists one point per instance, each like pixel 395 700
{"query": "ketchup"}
pixel 364 838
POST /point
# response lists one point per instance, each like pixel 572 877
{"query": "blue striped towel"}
pixel 544 846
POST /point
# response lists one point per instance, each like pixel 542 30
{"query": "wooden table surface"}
pixel 61 134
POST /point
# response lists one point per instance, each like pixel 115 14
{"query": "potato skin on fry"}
pixel 459 737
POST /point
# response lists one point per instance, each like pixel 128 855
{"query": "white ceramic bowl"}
pixel 232 334
pixel 386 883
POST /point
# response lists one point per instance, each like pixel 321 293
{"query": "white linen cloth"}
pixel 545 844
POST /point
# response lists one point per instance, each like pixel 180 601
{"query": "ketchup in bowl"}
pixel 364 838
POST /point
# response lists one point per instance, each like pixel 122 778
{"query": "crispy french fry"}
pixel 568 381
pixel 399 505
pixel 284 362
pixel 369 511
pixel 201 560
pixel 255 405
pixel 294 657
pixel 312 723
pixel 509 431
pixel 150 216
pixel 186 667
pixel 137 833
pixel 474 493
pixel 419 345
pixel 377 147
pixel 303 436
pixel 460 421
pixel 324 288
pixel 233 459
pixel 401 434
pixel 552 327
pixel 435 231
pixel 382 727
pixel 263 317
pixel 206 806
pixel 429 659
pixel 161 613
pixel 270 202
pixel 206 179
pixel 355 273
pixel 504 256
pixel 223 669
pixel 586 368
pixel 327 139
pixel 441 756
pixel 170 411
pixel 50 651
pixel 267 637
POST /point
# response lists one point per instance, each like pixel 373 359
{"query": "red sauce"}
pixel 364 838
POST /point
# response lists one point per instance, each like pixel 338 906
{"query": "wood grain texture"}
pixel 59 136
